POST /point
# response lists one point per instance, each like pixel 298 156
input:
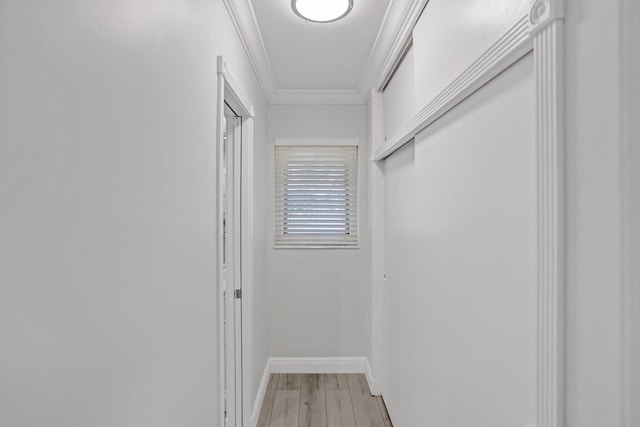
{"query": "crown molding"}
pixel 246 25
pixel 317 97
pixel 392 39
pixel 395 34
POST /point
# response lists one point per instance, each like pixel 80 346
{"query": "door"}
pixel 232 280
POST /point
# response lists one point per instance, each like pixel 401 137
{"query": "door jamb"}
pixel 230 90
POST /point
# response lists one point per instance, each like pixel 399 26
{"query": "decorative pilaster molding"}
pixel 543 12
pixel 546 25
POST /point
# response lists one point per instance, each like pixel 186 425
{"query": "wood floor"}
pixel 321 400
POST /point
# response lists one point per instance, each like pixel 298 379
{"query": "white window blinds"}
pixel 316 195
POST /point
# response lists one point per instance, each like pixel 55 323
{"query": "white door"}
pixel 231 177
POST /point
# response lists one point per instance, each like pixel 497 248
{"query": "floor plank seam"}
pixel 353 408
pixel 322 401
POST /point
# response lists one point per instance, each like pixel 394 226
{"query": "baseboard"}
pixel 374 386
pixel 312 365
pixel 262 389
pixel 318 365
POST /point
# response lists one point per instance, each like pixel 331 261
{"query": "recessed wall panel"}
pixel 461 265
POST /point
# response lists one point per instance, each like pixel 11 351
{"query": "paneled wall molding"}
pixel 541 30
pixel 510 47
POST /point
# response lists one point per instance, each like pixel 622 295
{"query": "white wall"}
pixel 107 201
pixel 399 96
pixel 259 353
pixel 594 183
pixel 319 299
pixel 450 35
pixel 630 13
pixel 460 234
pixel 377 340
pixel 594 299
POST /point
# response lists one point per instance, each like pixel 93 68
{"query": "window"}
pixel 316 195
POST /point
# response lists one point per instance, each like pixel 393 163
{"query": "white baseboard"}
pixel 262 389
pixel 318 365
pixel 312 365
pixel 374 386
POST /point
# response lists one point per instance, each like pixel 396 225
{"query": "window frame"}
pixel 328 142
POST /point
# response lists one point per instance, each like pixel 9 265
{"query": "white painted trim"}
pixel 392 40
pixel 541 30
pixel 374 386
pixel 377 353
pixel 219 251
pixel 244 21
pixel 234 90
pixel 323 247
pixel 401 39
pixel 510 47
pixel 262 389
pixel 317 141
pixel 318 365
pixel 248 251
pixel 548 49
pixel 229 88
pixel 316 97
pixel 375 54
pixel 543 12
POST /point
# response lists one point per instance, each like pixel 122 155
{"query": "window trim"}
pixel 329 142
pixel 341 142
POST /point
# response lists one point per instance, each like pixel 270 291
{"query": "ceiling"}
pixel 307 56
pixel 297 62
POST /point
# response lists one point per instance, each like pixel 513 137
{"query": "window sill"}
pixel 327 246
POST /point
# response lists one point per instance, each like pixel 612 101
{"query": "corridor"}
pixel 439 199
pixel 321 400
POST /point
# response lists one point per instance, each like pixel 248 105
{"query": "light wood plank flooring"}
pixel 321 400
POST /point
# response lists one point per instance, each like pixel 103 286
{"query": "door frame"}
pixel 230 91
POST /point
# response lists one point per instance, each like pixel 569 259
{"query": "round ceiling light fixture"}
pixel 321 10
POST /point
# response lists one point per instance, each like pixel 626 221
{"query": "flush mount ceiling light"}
pixel 322 10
